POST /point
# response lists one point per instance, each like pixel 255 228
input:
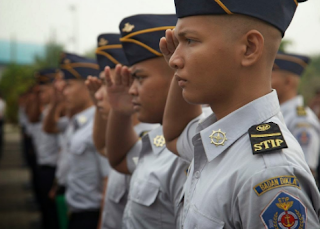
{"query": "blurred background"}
pixel 34 32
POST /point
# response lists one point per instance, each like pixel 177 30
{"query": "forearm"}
pixel 120 138
pixel 99 133
pixel 34 111
pixel 178 113
pixel 51 119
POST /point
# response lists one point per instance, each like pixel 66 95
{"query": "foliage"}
pixel 310 81
pixel 17 79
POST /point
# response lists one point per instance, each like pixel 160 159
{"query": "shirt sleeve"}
pixel 133 156
pixel 308 138
pixel 104 165
pixel 62 123
pixel 267 200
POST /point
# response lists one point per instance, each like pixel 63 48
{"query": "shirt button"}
pixel 197 174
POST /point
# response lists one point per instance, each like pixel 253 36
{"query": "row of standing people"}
pixel 228 162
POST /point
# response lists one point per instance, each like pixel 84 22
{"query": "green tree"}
pixel 310 80
pixel 17 79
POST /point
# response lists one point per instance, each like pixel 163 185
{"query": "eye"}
pixel 189 41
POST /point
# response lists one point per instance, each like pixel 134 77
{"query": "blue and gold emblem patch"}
pixel 285 211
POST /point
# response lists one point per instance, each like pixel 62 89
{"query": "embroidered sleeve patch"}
pixel 303 137
pixel 285 211
pixel 266 137
pixel 276 182
pixel 301 111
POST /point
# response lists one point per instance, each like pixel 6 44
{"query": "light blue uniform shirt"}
pixel 155 187
pixel 304 127
pixel 230 187
pixel 46 145
pixel 117 191
pixel 87 168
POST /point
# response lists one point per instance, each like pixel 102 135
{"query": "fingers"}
pixel 108 79
pixel 171 45
pixel 118 80
pixel 93 83
pixel 126 77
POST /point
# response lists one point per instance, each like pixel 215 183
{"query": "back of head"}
pixel 140 35
pixel 109 51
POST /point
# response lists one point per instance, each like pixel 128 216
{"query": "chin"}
pixel 191 98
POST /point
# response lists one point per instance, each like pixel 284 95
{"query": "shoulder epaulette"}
pixel 266 137
pixel 301 111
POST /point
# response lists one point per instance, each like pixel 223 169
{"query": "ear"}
pixel 253 48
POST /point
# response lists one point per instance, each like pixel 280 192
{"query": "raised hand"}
pixel 168 44
pixel 93 84
pixel 118 89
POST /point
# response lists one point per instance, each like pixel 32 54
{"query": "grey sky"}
pixel 38 20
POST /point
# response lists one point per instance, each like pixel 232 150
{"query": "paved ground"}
pixel 16 209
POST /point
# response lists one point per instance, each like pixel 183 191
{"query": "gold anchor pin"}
pixel 218 138
pixel 127 27
pixel 159 141
pixel 103 41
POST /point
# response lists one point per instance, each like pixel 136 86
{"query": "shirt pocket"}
pixel 198 220
pixel 144 193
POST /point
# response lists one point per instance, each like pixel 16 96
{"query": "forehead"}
pixel 197 24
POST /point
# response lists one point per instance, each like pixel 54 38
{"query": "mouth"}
pixel 181 82
pixel 136 106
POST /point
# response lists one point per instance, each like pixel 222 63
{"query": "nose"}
pixel 133 91
pixel 176 60
pixel 98 94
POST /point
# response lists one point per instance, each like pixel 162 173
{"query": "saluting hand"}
pixel 93 84
pixel 168 44
pixel 118 89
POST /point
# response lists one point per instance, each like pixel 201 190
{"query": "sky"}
pixel 77 23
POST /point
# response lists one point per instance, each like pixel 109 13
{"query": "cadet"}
pixel 57 122
pixel 46 146
pixel 300 120
pixel 87 168
pixel 157 174
pixel 248 171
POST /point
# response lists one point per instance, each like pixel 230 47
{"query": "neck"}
pixel 236 99
pixel 84 106
pixel 134 119
pixel 288 96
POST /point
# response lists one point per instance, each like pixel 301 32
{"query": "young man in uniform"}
pixel 109 53
pixel 300 120
pixel 87 168
pixel 247 170
pixel 157 174
pixel 46 145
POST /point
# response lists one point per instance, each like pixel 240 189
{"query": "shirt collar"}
pixel 237 123
pixel 84 117
pixel 157 140
pixel 294 102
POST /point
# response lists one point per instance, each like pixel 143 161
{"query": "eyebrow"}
pixel 134 73
pixel 187 31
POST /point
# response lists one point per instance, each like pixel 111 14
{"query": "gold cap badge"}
pixel 103 42
pixel 127 27
pixel 218 138
pixel 159 141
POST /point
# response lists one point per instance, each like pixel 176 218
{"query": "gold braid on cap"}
pixel 70 68
pixel 100 51
pixel 128 37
